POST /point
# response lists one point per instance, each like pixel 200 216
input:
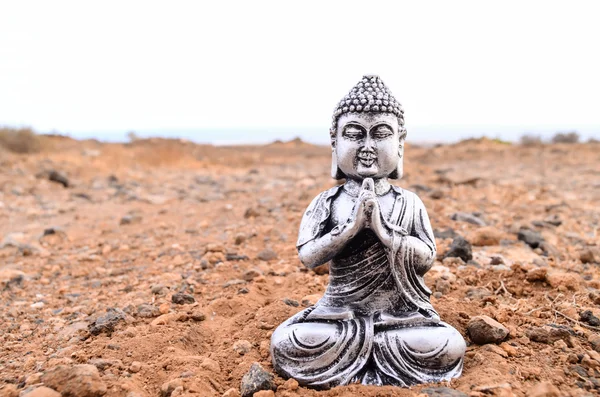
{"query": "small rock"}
pixel 198 316
pixel 168 318
pixel 135 367
pixel 460 248
pixel 130 219
pixel 242 346
pixel 180 298
pixel 233 282
pixel 148 311
pixel 291 302
pixel 169 387
pixel 469 218
pixel 215 247
pixel 230 256
pixel 232 393
pixel 483 329
pixel 442 392
pixel 548 334
pixel 240 238
pixel 42 391
pixel 536 274
pixel 211 365
pixel 58 177
pixel 256 379
pixel 267 255
pixel 530 237
pixel 544 389
pixel 251 274
pixel 587 256
pixel 589 318
pixel 291 384
pixel 81 380
pixel 436 194
pixel 107 322
pixel 264 393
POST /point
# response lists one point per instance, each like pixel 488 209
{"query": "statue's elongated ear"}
pixel 399 171
pixel 336 173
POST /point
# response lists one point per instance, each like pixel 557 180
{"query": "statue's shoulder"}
pixel 407 194
pixel 323 197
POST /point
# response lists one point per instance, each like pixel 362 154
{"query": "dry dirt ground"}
pixel 166 265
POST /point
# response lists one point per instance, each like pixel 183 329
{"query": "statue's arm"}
pixel 316 247
pixel 322 249
pixel 421 238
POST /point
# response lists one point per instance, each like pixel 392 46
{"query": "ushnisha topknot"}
pixel 370 95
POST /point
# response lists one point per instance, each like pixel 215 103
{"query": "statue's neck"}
pixel 353 186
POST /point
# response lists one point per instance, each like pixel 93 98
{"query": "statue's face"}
pixel 367 145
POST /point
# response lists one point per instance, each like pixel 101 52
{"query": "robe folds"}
pixel 375 323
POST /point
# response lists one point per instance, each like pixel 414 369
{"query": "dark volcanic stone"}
pixel 256 379
pixel 291 302
pixel 442 392
pixel 181 299
pixel 469 218
pixel 107 322
pixel 460 248
pixel 588 317
pixel 58 177
pixel 530 237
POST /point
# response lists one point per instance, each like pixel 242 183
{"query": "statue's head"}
pixel 367 134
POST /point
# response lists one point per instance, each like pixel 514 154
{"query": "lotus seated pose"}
pixel 375 324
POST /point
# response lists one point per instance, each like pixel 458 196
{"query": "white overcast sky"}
pixel 84 67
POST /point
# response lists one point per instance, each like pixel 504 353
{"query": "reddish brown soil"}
pixel 193 205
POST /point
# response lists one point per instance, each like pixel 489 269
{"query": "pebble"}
pixel 587 256
pixel 130 219
pixel 211 365
pixel 267 255
pixel 264 393
pixel 256 379
pixel 198 316
pixel 310 300
pixel 460 248
pixel 167 318
pixel 544 389
pixel 81 380
pixel 536 274
pixel 483 329
pixel 242 346
pixel 148 311
pixel 291 302
pixel 135 367
pixel 469 218
pixel 58 177
pixel 42 391
pixel 107 322
pixel 232 393
pixel 240 238
pixel 169 387
pixel 588 317
pixel 548 334
pixel 530 237
pixel 181 298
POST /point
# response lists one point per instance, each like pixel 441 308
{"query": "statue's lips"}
pixel 367 159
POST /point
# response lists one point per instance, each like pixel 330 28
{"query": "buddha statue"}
pixel 375 324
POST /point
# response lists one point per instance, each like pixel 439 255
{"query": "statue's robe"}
pixel 375 323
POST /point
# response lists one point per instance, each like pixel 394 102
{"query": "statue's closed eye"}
pixel 382 131
pixel 354 132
